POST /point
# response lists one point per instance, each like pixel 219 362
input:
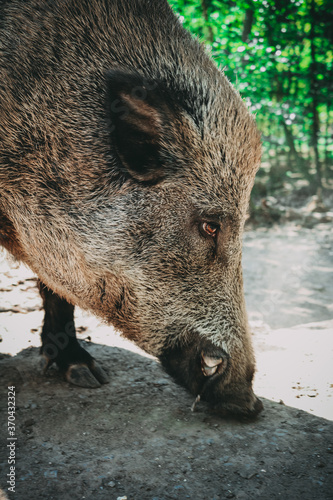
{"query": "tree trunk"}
pixel 314 95
pixel 327 140
pixel 291 144
pixel 247 26
pixel 210 34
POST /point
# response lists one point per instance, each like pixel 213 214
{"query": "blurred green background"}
pixel 279 55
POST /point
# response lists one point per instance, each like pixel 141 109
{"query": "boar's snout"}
pixel 240 402
pixel 206 371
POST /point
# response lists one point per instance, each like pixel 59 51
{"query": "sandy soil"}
pixel 136 436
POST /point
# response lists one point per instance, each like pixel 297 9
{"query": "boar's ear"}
pixel 140 124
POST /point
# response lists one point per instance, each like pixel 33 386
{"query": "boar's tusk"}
pixel 210 365
pixel 197 399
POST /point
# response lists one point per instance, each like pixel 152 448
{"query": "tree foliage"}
pixel 279 54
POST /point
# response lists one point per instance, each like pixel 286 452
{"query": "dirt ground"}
pixel 136 437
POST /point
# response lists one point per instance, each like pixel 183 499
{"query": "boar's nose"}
pixel 211 365
pixel 241 402
pixel 206 371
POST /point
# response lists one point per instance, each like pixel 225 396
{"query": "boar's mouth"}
pixel 204 369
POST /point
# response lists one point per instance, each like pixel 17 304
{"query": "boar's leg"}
pixel 60 345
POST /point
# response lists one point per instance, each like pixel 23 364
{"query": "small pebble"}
pixel 230 494
pixel 29 422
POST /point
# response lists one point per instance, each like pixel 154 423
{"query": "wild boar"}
pixel 126 164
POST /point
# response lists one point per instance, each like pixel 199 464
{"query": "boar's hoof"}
pixel 83 376
pixel 78 366
pixel 44 364
pixel 89 375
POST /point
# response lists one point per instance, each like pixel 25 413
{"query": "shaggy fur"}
pixel 118 138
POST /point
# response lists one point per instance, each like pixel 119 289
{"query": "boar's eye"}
pixel 209 229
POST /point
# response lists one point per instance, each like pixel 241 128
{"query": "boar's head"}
pixel 189 156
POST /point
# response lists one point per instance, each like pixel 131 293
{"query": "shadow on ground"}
pixel 137 437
